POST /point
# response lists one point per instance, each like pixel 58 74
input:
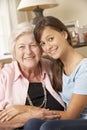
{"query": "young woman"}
pixel 70 67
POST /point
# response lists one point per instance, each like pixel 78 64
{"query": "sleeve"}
pixel 6 81
pixel 81 81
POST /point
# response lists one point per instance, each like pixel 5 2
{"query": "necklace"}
pixel 43 104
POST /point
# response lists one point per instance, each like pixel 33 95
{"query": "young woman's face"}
pixel 53 42
pixel 26 51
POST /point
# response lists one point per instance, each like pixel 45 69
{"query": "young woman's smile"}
pixel 53 50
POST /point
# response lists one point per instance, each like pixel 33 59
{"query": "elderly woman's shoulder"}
pixel 46 60
pixel 8 67
pixel 46 64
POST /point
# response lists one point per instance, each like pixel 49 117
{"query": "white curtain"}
pixel 9 17
pixel 4 27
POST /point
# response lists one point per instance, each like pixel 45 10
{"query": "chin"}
pixel 54 57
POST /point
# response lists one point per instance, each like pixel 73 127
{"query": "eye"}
pixel 21 47
pixel 42 43
pixel 33 45
pixel 50 39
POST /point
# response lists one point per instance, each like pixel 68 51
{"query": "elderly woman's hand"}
pixel 29 111
pixel 12 111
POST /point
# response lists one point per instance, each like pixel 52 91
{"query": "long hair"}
pixel 57 65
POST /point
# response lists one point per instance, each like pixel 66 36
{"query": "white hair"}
pixel 20 29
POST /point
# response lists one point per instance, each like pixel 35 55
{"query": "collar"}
pixel 17 70
pixel 46 68
pixel 45 65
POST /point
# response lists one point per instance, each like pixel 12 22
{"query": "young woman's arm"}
pixel 75 107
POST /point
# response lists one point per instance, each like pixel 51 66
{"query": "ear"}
pixel 13 54
pixel 64 33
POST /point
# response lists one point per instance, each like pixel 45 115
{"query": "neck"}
pixel 32 74
pixel 70 60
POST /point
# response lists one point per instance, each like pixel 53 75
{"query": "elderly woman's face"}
pixel 26 51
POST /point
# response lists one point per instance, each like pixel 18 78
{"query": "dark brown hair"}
pixel 57 65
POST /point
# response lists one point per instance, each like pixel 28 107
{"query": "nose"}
pixel 48 47
pixel 28 50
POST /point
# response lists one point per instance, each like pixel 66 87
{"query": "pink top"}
pixel 14 86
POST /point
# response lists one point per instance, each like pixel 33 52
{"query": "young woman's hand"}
pixel 44 114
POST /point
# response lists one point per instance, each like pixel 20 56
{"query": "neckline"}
pixel 35 83
pixel 68 76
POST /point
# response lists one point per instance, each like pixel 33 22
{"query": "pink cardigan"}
pixel 14 86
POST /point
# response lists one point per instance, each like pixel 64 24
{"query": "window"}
pixel 4 27
pixel 9 17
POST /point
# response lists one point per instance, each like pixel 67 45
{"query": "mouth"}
pixel 29 58
pixel 53 51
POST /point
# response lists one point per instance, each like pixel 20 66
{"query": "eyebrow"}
pixel 48 35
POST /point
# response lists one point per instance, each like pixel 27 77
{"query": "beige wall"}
pixel 70 10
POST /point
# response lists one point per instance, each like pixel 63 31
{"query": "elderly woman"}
pixel 26 84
